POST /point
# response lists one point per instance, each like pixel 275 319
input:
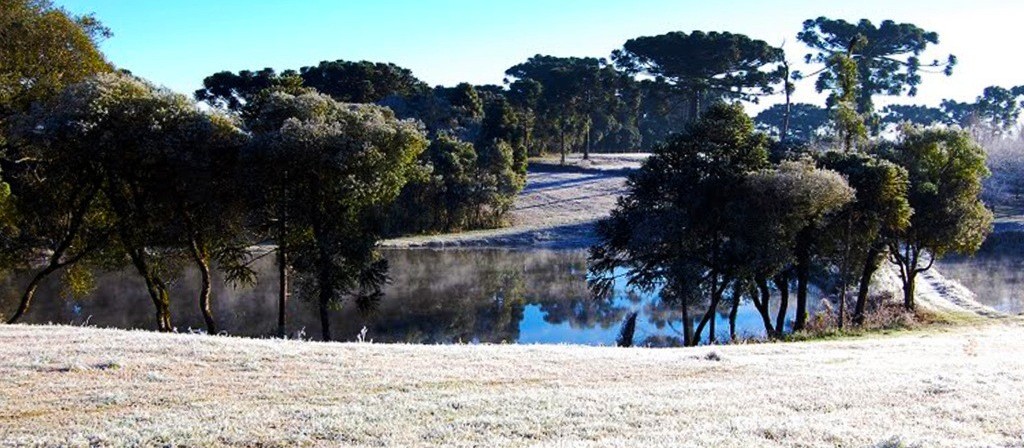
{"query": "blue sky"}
pixel 177 43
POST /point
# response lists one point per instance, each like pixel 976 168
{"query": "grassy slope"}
pixel 557 208
pixel 956 387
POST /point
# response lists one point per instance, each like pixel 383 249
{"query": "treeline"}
pixel 102 170
pixel 474 167
pixel 721 214
pixel 995 113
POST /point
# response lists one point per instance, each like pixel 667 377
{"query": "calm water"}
pixel 435 297
pixel 995 274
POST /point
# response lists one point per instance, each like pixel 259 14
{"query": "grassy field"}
pixel 956 386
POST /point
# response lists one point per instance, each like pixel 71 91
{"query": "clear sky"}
pixel 177 43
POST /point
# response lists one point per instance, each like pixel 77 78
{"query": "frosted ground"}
pixel 954 387
pixel 557 209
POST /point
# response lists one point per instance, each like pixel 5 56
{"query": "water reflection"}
pixel 995 274
pixel 451 296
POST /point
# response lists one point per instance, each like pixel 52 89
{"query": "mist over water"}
pixel 995 274
pixel 448 296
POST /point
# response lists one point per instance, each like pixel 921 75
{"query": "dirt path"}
pixel 558 208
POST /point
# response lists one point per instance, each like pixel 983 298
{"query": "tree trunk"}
pixel 908 290
pixel 716 297
pixel 282 291
pixel 282 258
pixel 586 149
pixel 736 297
pixel 842 304
pixel 789 92
pixel 164 307
pixel 803 275
pixel 687 326
pixel 762 306
pixel 325 315
pixel 870 266
pixel 54 263
pixel 782 284
pixel 203 263
pixel 711 327
pixel 325 284
pixel 561 136
pixel 155 287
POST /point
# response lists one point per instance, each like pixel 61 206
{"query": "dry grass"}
pixel 81 386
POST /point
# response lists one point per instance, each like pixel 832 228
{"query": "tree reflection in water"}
pixel 435 296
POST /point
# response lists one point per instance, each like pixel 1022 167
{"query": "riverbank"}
pixel 951 386
pixel 557 209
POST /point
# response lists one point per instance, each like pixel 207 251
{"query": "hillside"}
pixel 557 209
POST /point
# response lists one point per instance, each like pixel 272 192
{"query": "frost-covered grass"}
pixel 557 208
pixel 958 386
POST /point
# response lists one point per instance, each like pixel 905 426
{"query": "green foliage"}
pixel 576 100
pixel 887 56
pixel 996 111
pixel 724 64
pixel 43 49
pixel 361 82
pixel 881 207
pixel 227 90
pixel 673 226
pixel 845 86
pixel 807 122
pixel 945 168
pixel 100 147
pixel 342 164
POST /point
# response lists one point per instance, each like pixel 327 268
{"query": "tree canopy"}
pixel 672 227
pixel 43 49
pixel 722 64
pixel 946 168
pixel 345 163
pixel 888 55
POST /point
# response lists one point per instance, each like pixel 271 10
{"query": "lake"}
pixel 435 296
pixel 995 274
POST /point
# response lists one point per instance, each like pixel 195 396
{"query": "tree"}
pixel 346 163
pixel 887 56
pixel 724 65
pixel 569 95
pixel 361 82
pixel 994 112
pixel 946 168
pixel 51 208
pixel 879 212
pixel 787 208
pixel 806 121
pixel 113 136
pixel 898 114
pixel 672 228
pixel 43 49
pixel 227 90
pixel 204 191
pixel 845 87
